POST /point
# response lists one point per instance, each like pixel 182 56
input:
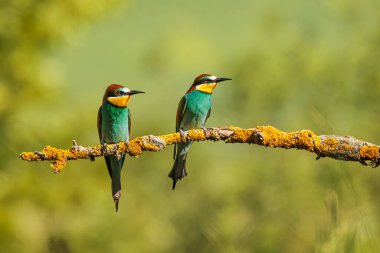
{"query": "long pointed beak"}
pixel 222 79
pixel 133 92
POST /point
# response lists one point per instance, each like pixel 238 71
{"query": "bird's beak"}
pixel 222 79
pixel 133 92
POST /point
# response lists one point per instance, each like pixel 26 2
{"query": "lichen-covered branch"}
pixel 344 148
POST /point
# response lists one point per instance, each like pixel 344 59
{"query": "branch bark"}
pixel 345 148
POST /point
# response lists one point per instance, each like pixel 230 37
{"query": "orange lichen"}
pixel 196 135
pixel 369 152
pixel 58 165
pixel 307 138
pixel 150 147
pixel 240 135
pixel 29 156
pixel 135 147
pixel 303 139
pixel 58 156
pixel 97 150
pixel 338 147
pixel 347 147
pixel 121 147
pixel 78 154
pixel 272 137
pixel 55 153
pixel 328 145
pixel 171 138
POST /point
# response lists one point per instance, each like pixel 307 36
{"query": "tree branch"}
pixel 346 148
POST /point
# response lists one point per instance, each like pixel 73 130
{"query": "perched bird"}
pixel 193 111
pixel 114 125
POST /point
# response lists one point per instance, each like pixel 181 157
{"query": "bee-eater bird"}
pixel 193 111
pixel 114 125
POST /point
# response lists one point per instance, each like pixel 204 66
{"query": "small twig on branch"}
pixel 344 148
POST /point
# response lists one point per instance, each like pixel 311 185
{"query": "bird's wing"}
pixel 180 112
pixel 129 123
pixel 208 114
pixel 108 162
pixel 100 123
pixel 129 135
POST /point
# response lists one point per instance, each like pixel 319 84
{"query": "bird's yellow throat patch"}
pixel 207 88
pixel 119 101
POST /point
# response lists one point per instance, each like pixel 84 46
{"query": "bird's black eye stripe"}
pixel 204 80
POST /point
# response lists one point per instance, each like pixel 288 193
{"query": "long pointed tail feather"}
pixel 116 166
pixel 178 170
pixel 116 191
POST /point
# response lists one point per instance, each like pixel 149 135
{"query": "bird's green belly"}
pixel 197 109
pixel 115 124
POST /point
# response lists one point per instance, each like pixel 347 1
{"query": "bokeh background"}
pixel 295 65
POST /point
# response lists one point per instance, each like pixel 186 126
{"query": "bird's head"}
pixel 119 95
pixel 206 83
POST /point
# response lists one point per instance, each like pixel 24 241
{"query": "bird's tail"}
pixel 116 191
pixel 178 170
pixel 116 164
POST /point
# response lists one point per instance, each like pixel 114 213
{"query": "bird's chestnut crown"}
pixel 119 95
pixel 206 83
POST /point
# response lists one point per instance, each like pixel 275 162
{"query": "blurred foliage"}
pixel 29 31
pixel 295 64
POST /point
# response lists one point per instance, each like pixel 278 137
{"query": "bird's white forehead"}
pixel 212 78
pixel 125 90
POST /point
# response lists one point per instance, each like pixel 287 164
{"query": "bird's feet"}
pixel 104 148
pixel 183 133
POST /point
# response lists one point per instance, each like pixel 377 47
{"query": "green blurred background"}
pixel 294 64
